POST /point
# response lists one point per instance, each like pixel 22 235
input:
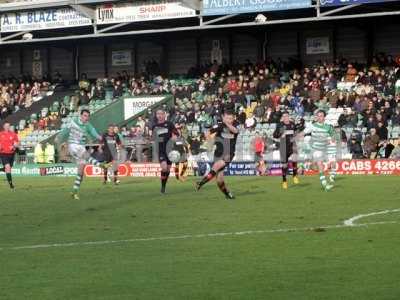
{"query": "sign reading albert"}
pixel 42 19
pixel 224 7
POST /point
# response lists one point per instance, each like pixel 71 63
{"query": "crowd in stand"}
pixel 368 96
pixel 16 94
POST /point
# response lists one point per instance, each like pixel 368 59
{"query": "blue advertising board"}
pixel 349 2
pixel 225 7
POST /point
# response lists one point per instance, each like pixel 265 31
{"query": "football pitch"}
pixel 130 242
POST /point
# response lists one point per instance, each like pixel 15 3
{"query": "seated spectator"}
pixel 371 142
pixel 382 132
pixel 99 92
pixel 385 149
pixel 83 98
pixel 355 149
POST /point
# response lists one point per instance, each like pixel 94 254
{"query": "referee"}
pixel 8 146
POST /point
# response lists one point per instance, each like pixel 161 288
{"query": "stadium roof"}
pixel 198 22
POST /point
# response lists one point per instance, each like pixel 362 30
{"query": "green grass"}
pixel 338 263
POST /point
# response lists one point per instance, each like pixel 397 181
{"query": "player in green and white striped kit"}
pixel 77 131
pixel 333 153
pixel 322 135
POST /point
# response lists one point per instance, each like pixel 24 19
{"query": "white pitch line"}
pixel 194 236
pixel 350 222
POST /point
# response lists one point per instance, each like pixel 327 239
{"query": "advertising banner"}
pixel 121 58
pixel 128 12
pixel 349 2
pixel 363 167
pixel 133 106
pixel 226 7
pixel 345 167
pixel 44 170
pixel 317 45
pixel 42 19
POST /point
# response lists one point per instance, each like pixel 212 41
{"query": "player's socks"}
pixel 207 178
pixel 284 173
pixel 77 183
pixel 295 178
pixel 164 179
pixel 116 180
pixel 105 176
pixel 184 168
pixel 177 172
pixel 223 189
pixel 332 175
pixel 322 178
pixel 9 180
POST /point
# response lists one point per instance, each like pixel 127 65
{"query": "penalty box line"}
pixel 196 236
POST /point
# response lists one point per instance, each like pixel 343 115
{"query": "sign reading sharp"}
pixel 225 7
pixel 123 13
pixel 348 2
pixel 42 19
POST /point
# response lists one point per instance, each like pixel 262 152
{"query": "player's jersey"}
pixel 111 143
pixel 332 148
pixel 225 140
pixel 78 132
pixel 285 133
pixel 321 136
pixel 162 133
pixel 7 141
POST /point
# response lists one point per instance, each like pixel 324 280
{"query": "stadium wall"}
pixel 177 52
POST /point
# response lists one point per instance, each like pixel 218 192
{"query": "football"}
pixel 174 156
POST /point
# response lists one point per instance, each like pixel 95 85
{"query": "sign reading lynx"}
pixel 42 19
pixel 128 12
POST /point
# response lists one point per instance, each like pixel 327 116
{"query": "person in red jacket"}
pixel 8 146
pixel 259 147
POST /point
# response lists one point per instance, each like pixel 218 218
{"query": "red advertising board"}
pixel 364 167
pixel 130 170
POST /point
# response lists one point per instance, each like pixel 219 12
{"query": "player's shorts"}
pixel 226 157
pixel 7 159
pixel 319 156
pixel 285 155
pixel 108 157
pixel 163 157
pixel 79 153
pixel 258 156
pixel 331 157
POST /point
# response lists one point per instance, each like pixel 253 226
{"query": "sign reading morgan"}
pixel 133 106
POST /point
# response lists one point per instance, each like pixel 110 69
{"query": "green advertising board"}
pixel 44 170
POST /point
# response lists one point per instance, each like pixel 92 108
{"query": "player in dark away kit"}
pixel 285 132
pixel 111 145
pixel 182 146
pixel 163 133
pixel 226 134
